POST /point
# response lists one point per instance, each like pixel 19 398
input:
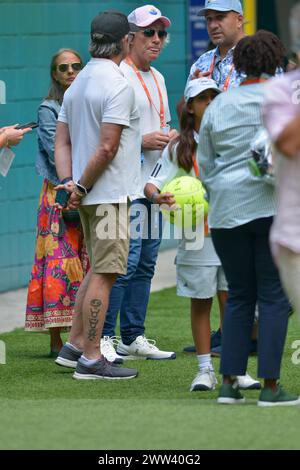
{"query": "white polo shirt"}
pixel 149 118
pixel 101 94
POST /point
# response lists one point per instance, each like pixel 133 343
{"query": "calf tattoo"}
pixel 95 307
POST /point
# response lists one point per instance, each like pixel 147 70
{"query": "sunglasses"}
pixel 76 66
pixel 149 33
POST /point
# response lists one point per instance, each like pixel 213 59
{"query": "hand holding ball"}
pixel 191 203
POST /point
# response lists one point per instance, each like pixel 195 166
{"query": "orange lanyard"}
pixel 197 174
pixel 227 81
pixel 196 168
pixel 161 112
pixel 251 81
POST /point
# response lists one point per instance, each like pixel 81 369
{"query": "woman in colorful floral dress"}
pixel 60 258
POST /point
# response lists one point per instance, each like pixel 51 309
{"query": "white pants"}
pixel 289 268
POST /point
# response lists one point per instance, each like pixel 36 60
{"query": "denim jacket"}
pixel 47 117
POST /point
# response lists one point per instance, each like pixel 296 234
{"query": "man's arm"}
pixel 63 157
pixel 110 135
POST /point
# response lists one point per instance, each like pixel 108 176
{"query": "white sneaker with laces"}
pixel 107 348
pixel 143 348
pixel 204 381
pixel 246 382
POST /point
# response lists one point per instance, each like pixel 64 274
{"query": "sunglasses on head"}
pixel 76 66
pixel 149 33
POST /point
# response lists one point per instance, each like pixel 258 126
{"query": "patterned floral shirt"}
pixel 222 67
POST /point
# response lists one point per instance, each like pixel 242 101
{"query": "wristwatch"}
pixel 81 190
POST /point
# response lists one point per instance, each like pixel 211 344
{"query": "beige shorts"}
pixel 105 229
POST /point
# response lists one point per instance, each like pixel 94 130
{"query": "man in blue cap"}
pixel 224 19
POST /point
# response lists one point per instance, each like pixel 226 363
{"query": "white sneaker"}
pixel 204 381
pixel 143 348
pixel 107 348
pixel 245 382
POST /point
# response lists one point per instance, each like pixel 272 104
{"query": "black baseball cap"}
pixel 113 25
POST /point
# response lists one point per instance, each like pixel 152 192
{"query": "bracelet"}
pixel 82 188
pixel 154 196
pixel 66 180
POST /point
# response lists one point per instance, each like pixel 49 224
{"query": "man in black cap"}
pixel 98 148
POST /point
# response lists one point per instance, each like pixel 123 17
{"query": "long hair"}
pixel 56 91
pixel 186 142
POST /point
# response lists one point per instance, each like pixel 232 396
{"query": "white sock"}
pixel 72 347
pixel 204 362
pixel 88 362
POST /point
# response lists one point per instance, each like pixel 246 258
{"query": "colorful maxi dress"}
pixel 60 264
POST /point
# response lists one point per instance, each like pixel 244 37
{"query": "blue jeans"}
pixel 130 293
pixel 252 278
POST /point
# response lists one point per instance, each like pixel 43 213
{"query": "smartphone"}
pixel 62 197
pixel 32 124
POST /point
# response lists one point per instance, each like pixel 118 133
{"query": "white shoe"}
pixel 107 348
pixel 143 348
pixel 204 381
pixel 245 382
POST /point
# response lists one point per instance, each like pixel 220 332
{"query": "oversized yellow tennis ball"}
pixel 190 197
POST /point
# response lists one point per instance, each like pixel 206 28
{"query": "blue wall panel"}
pixel 30 32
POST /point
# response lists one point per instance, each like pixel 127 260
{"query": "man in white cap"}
pixel 130 293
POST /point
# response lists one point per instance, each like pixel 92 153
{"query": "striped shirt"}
pixel 228 127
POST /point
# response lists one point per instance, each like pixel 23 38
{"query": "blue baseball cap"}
pixel 222 5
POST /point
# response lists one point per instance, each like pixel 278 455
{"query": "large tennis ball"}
pixel 191 202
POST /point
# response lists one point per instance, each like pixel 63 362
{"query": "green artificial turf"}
pixel 42 407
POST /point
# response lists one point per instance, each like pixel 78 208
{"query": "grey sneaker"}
pixel 103 369
pixel 67 357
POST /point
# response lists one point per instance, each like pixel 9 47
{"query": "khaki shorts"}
pixel 105 229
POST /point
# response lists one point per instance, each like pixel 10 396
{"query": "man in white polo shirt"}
pixel 98 146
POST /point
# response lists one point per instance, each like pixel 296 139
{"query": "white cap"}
pixel 146 15
pixel 197 86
